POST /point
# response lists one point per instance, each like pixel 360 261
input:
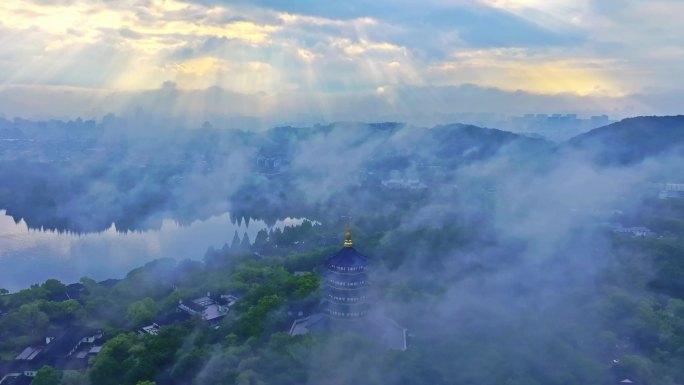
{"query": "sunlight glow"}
pixel 546 47
pixel 544 74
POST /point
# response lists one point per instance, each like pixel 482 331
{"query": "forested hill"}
pixel 479 143
pixel 631 140
pixel 83 176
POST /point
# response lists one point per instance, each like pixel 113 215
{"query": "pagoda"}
pixel 345 306
pixel 346 283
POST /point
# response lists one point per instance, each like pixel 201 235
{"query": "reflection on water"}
pixel 30 256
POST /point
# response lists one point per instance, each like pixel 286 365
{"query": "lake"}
pixel 29 256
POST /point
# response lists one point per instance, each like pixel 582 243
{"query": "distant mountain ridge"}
pixel 631 140
pixel 473 143
pixel 83 176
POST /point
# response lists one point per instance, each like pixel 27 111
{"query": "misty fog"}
pixel 496 251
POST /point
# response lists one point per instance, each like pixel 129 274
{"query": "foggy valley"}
pixel 546 263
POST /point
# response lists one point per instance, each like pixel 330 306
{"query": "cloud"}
pixel 416 104
pixel 583 47
pixel 546 72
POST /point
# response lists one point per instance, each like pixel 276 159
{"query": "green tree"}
pixel 305 285
pixel 61 311
pixel 54 287
pixel 143 311
pixel 638 367
pixel 29 318
pixel 114 361
pixel 247 377
pixel 26 296
pixel 72 377
pixel 261 239
pixel 252 323
pixel 47 375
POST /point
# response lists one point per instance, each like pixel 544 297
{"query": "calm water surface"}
pixel 30 256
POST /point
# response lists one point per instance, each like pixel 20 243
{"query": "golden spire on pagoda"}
pixel 348 237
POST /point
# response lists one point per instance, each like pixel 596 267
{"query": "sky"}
pixel 346 60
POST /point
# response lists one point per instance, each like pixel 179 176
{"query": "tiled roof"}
pixel 347 257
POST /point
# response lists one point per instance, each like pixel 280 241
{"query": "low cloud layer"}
pixel 424 105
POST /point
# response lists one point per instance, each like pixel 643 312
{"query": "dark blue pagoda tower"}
pixel 346 283
pixel 346 305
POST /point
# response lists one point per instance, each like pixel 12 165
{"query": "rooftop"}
pixel 29 353
pixel 68 340
pixel 171 318
pixel 16 380
pixel 347 257
pixel 206 307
